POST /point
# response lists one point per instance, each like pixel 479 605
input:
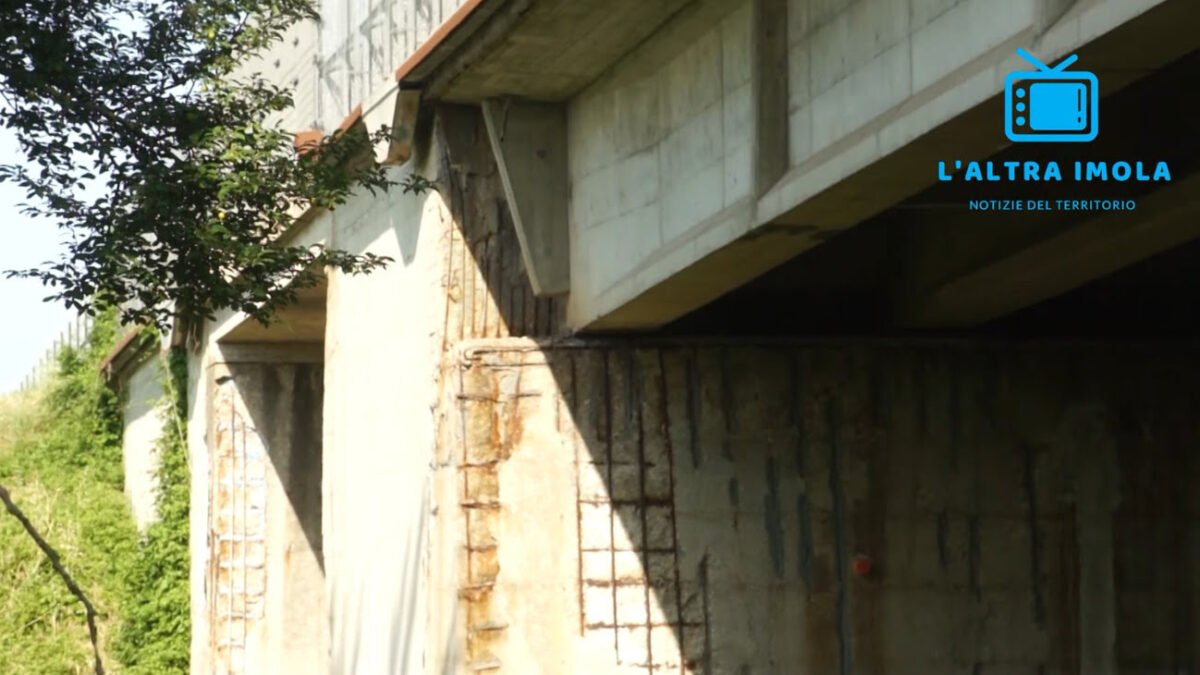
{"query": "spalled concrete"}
pixel 491 504
pixel 701 508
pixel 492 500
pixel 267 611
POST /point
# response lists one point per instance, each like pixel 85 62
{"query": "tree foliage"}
pixel 147 104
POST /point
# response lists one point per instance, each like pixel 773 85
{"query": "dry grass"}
pixel 18 417
pixel 44 632
pixel 42 629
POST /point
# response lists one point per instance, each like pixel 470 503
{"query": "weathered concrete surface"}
pixel 537 50
pixel 660 148
pixel 502 506
pixel 488 289
pixel 298 619
pixel 303 321
pixel 348 58
pixel 199 543
pixel 381 350
pixel 291 63
pixel 700 508
pixel 458 274
pixel 529 143
pixel 236 532
pixel 664 213
pixel 710 141
pixel 144 419
pixel 266 611
pixel 361 43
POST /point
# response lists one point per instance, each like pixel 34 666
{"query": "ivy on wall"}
pixel 155 634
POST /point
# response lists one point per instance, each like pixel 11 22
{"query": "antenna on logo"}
pixel 1052 105
pixel 1043 67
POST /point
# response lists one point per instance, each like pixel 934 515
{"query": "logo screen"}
pixel 1051 104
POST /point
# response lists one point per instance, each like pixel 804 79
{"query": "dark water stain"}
pixel 840 543
pixel 806 541
pixel 973 553
pixel 728 406
pixel 1035 539
pixel 773 518
pixel 735 501
pixel 943 526
pixel 796 385
pixel 693 409
pixel 705 596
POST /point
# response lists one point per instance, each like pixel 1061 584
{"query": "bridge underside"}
pixel 789 149
pixel 929 263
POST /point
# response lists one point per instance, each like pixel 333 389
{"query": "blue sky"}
pixel 29 325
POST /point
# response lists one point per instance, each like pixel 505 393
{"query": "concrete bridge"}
pixel 660 155
pixel 605 413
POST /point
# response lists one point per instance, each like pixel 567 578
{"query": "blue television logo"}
pixel 1051 105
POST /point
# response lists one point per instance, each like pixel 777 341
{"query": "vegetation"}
pixel 155 633
pixel 148 99
pixel 60 458
pixel 147 141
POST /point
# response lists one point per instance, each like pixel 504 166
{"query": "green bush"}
pixel 60 456
pixel 62 464
pixel 155 633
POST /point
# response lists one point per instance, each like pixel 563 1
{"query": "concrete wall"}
pixel 144 419
pixel 298 625
pixel 361 44
pixel 236 526
pixel 457 275
pixel 379 355
pixel 292 62
pixel 494 504
pixel 381 351
pixel 266 608
pixel 640 507
pixel 199 536
pixel 349 58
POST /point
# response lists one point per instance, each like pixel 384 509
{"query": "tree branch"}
pixel 56 562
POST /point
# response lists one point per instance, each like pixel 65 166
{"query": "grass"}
pixel 60 458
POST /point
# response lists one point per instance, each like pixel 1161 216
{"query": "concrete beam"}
pixel 770 85
pixel 1018 275
pixel 866 132
pixel 264 353
pixel 404 126
pixel 727 267
pixel 529 141
pixel 543 51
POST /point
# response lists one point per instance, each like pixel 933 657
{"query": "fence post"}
pixel 74 336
